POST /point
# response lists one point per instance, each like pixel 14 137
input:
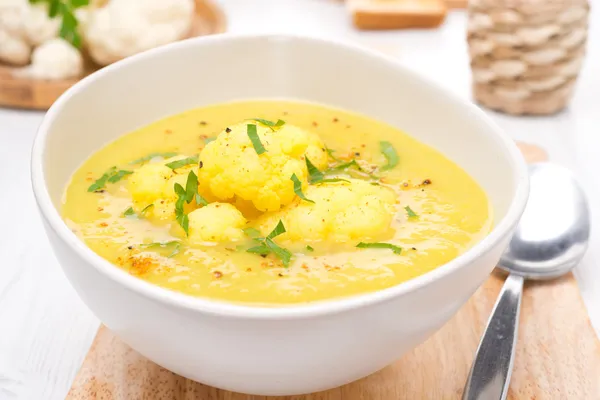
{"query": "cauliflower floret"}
pixel 39 27
pixel 233 169
pixel 126 27
pixel 22 26
pixel 163 207
pixel 13 49
pixel 317 152
pixel 150 182
pixel 341 212
pixel 216 222
pixel 55 59
pixel 154 184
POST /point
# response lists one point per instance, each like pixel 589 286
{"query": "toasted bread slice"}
pixel 457 3
pixel 397 14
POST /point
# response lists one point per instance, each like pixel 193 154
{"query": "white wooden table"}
pixel 45 330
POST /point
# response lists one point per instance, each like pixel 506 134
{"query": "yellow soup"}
pixel 273 203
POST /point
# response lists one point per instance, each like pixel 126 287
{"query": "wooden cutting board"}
pixel 558 356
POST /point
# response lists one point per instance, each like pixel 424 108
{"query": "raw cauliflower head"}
pixel 341 212
pixel 55 59
pixel 216 222
pixel 126 27
pixel 231 167
pixel 22 26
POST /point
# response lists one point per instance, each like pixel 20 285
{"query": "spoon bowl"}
pixel 550 240
pixel 554 230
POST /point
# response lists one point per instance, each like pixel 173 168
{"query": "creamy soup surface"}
pixel 274 203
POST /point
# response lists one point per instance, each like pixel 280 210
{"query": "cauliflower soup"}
pixel 273 203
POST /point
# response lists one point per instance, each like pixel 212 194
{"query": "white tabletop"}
pixel 45 330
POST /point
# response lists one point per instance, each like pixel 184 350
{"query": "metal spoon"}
pixel 550 240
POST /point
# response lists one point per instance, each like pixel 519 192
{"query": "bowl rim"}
pixel 313 309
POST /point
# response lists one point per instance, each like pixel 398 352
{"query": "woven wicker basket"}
pixel 526 54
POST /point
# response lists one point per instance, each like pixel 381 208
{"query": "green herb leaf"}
pixel 279 229
pixel 151 156
pixel 252 232
pixel 283 254
pixel 184 222
pixel 394 248
pixel 175 243
pixel 298 188
pixel 344 166
pixel 330 152
pixel 179 190
pixel 112 176
pixel 201 201
pixel 183 162
pixel 332 180
pixel 65 10
pixel 191 187
pixel 314 175
pixel 53 8
pixel 270 124
pixel 179 211
pixel 209 139
pixel 80 3
pixel 253 135
pixel 309 248
pixel 186 196
pixel 175 250
pixel 390 154
pixel 267 245
pixel 145 209
pixel 263 250
pixel 119 175
pixel 101 182
pixel 410 212
pixel 129 212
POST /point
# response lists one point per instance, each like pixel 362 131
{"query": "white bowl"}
pixel 272 351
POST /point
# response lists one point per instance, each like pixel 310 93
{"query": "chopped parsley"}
pixel 314 175
pixel 201 201
pixel 268 246
pixel 345 166
pixel 128 212
pixel 65 11
pixel 309 248
pixel 183 162
pixel 173 243
pixel 279 229
pixel 330 153
pixel 151 156
pixel 145 209
pixel 331 180
pixel 394 248
pixel 410 212
pixel 253 135
pixel 390 154
pixel 186 195
pixel 112 175
pixel 119 175
pixel 251 232
pixel 272 125
pixel 298 188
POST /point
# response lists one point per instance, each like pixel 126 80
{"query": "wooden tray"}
pixel 558 356
pixel 39 94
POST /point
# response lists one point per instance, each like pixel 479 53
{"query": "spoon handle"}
pixel 490 373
